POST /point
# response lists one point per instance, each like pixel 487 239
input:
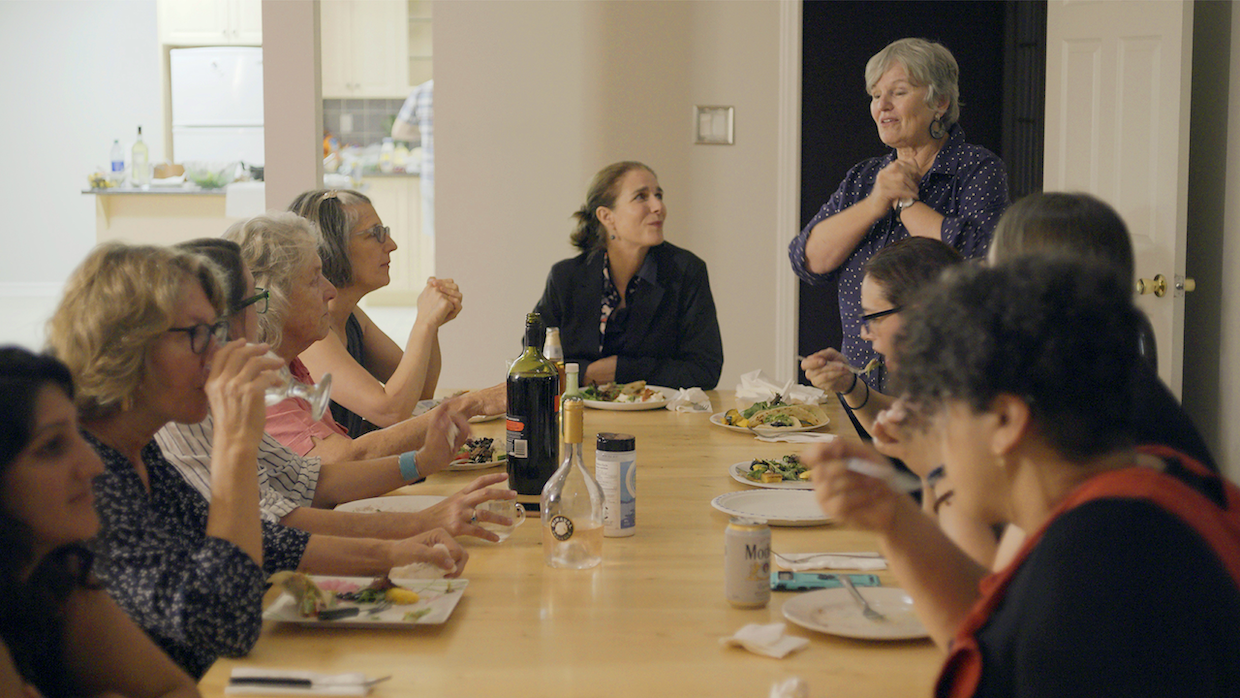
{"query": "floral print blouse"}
pixel 196 596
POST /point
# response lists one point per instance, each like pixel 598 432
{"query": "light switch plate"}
pixel 713 125
pixel 346 123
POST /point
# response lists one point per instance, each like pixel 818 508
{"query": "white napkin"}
pixel 767 640
pixel 798 438
pixel 802 562
pixel 324 684
pixel 791 687
pixel 690 400
pixel 756 386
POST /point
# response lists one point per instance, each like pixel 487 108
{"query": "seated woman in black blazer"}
pixel 632 306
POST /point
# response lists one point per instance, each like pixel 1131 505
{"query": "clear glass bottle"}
pixel 554 351
pixel 572 501
pixel 533 405
pixel 141 174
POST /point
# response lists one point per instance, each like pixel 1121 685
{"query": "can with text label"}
pixel 747 563
pixel 615 466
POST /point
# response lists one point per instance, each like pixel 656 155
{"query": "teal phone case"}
pixel 783 580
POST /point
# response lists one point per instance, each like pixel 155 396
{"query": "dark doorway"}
pixel 1001 84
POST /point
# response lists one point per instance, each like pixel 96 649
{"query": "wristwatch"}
pixel 903 204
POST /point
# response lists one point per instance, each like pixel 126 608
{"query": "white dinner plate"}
pixel 438 598
pixel 466 465
pixel 738 471
pixel 775 507
pixel 395 502
pixel 717 420
pixel 668 394
pixel 425 406
pixel 485 417
pixel 836 612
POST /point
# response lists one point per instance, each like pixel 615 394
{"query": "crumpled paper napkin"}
pixel 768 640
pixel 353 684
pixel 756 386
pixel 791 687
pixel 690 400
pixel 803 562
pixel 798 438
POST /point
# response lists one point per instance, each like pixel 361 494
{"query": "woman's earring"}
pixel 613 236
pixel 937 128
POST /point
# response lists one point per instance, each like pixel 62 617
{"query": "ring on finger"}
pixel 474 519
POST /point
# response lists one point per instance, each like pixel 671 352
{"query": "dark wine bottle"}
pixel 533 405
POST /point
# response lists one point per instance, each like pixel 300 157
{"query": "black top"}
pixel 671 334
pixel 1119 598
pixel 1161 420
pixel 352 422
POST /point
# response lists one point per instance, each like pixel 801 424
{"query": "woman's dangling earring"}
pixel 937 128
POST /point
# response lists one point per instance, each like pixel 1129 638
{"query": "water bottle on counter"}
pixel 386 154
pixel 118 160
pixel 141 163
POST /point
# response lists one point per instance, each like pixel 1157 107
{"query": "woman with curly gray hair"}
pixel 932 184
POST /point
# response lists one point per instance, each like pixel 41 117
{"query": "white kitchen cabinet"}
pixel 210 22
pixel 398 201
pixel 365 48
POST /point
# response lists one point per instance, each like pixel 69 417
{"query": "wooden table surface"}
pixel 645 622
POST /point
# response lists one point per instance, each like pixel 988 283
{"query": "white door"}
pixel 1118 78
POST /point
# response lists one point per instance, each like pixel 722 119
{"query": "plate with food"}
pixel 479 453
pixel 786 473
pixel 774 416
pixel 626 396
pixel 363 602
pixel 836 612
pixel 394 502
pixel 425 406
pixel 775 507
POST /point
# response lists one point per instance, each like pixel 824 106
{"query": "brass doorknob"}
pixel 1157 286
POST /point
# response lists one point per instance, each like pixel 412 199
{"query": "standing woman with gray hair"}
pixel 932 184
pixel 632 306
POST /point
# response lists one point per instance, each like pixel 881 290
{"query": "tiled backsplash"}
pixel 372 119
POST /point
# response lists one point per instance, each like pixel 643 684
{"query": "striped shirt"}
pixel 285 480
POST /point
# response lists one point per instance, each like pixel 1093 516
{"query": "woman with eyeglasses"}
pixel 376 383
pixel 894 277
pixel 65 636
pixel 143 334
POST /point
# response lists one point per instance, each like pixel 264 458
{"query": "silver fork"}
pixel 379 608
pixel 866 610
pixel 787 561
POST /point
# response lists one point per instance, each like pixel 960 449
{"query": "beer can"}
pixel 747 563
pixel 615 467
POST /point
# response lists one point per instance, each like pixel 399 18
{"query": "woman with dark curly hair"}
pixel 1027 368
pixel 65 634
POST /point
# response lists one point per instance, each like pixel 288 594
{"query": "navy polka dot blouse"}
pixel 967 184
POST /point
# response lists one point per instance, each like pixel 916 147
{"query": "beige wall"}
pixel 532 98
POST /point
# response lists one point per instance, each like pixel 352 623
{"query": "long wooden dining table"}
pixel 646 622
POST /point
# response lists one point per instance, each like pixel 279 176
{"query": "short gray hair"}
pixel 929 64
pixel 276 246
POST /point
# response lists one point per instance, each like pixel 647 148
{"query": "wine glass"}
pixel 317 395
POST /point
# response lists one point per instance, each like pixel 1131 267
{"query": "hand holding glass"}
pixel 504 507
pixel 317 395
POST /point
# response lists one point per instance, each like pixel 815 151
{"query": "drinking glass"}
pixel 317 395
pixel 504 507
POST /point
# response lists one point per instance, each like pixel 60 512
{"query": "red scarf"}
pixel 1220 528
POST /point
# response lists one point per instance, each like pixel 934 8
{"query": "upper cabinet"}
pixel 211 22
pixel 365 48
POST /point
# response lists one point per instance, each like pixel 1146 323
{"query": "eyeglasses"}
pixel 379 232
pixel 260 299
pixel 870 317
pixel 200 335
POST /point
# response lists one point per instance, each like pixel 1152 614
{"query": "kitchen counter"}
pixel 163 191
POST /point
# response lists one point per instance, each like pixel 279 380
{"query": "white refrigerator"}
pixel 217 104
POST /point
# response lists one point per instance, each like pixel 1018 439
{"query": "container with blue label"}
pixel 615 468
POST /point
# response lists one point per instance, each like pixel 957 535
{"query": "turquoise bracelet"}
pixel 409 466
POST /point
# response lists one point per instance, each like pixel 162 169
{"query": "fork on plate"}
pixel 866 610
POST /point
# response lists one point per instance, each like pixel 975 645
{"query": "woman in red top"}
pixel 1129 582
